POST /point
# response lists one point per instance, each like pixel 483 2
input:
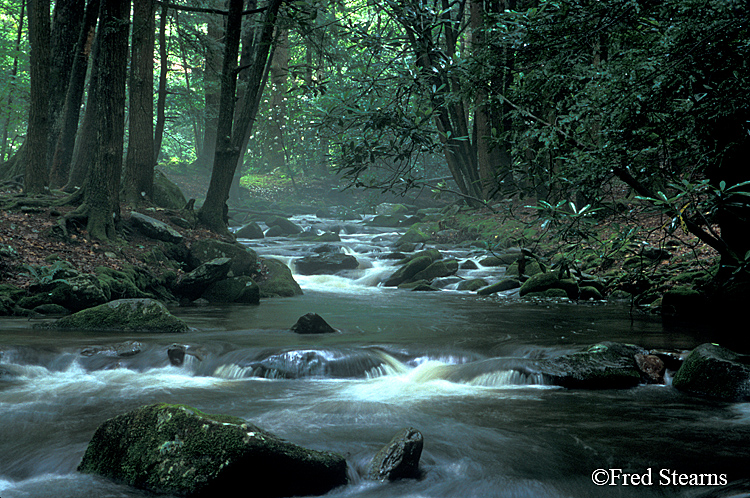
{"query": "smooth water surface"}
pixel 435 361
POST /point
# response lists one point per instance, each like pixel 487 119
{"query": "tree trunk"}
pixel 212 86
pixel 36 179
pixel 274 153
pixel 161 102
pixel 66 26
pixel 229 142
pixel 60 167
pixel 139 165
pixel 12 86
pixel 101 203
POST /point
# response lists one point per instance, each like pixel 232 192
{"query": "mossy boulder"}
pixel 250 231
pixel 124 315
pixel 531 267
pixel 542 282
pixel 437 269
pixel 75 293
pixel 326 263
pixel 178 450
pixel 240 290
pixel 9 295
pixel 415 235
pixel 286 226
pixel 501 286
pixel 387 220
pixel 472 285
pixel 387 208
pixel 607 365
pixel 166 193
pixel 192 285
pixel 119 284
pixel 154 229
pixel 714 371
pixel 432 253
pixel 276 280
pixel 244 259
pixel 406 272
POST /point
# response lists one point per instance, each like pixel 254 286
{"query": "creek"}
pixel 436 361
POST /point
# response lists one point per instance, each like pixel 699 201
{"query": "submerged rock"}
pixel 399 459
pixel 176 449
pixel 312 323
pixel 713 371
pixel 124 315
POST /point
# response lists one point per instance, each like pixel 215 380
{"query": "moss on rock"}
pixel 277 280
pixel 124 315
pixel 179 450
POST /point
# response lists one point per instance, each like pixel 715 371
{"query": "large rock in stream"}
pixel 176 449
pixel 399 459
pixel 713 371
pixel 327 263
pixel 277 280
pixel 124 315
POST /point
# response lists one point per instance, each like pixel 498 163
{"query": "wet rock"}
pixel 276 280
pixel 312 323
pixel 608 365
pixel 275 231
pixel 530 268
pixel 590 292
pixel 124 315
pixel 239 290
pixel 652 367
pixel 437 269
pixel 176 354
pixel 542 282
pixel 472 285
pixel 501 286
pixel 153 228
pixel 713 371
pixel 399 459
pixel 195 283
pixel 468 265
pixel 178 450
pixel 387 220
pixel 287 227
pixel 413 236
pixel 121 350
pixel 250 231
pixel 424 287
pixel 51 309
pixel 244 260
pixel 387 208
pixel 408 271
pixel 326 263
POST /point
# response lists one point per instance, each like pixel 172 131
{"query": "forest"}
pixel 574 109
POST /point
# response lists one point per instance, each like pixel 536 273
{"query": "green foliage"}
pixel 59 271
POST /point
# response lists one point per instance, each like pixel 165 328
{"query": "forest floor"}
pixel 25 237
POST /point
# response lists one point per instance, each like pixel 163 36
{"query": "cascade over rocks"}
pixel 176 449
pixel 399 459
pixel 713 371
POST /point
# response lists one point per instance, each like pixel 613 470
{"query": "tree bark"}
pixel 36 180
pixel 101 200
pixel 67 22
pixel 13 75
pixel 138 183
pixel 61 159
pixel 229 141
pixel 161 102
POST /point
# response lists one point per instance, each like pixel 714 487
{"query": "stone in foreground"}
pixel 399 459
pixel 125 315
pixel 176 449
pixel 713 371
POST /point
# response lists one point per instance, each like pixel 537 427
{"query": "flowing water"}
pixel 437 361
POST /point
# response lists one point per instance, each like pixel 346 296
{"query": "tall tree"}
pixel 36 179
pixel 61 159
pixel 138 182
pixel 231 132
pixel 100 207
pixel 12 78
